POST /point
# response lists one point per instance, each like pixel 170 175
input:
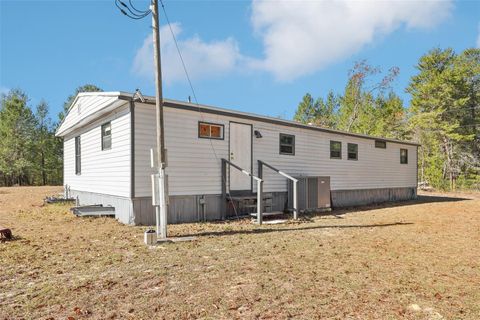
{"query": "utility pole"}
pixel 161 210
pixel 159 180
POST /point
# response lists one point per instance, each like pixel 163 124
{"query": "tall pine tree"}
pixel 444 99
pixel 17 139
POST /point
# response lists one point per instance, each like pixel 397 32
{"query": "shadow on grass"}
pixel 268 230
pixel 12 239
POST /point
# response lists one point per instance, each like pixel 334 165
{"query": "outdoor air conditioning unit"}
pixel 313 193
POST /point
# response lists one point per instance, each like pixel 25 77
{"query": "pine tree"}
pixel 390 117
pixel 318 112
pixel 443 93
pixel 48 160
pixel 306 110
pixel 17 134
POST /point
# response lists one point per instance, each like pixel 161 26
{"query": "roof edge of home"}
pixel 230 112
pixel 252 116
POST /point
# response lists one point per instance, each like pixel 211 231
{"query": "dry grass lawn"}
pixel 414 260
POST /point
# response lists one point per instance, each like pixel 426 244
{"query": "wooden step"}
pixel 255 206
pixel 268 214
pixel 245 198
pixel 93 210
pixel 240 198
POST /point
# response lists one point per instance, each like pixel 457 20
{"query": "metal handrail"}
pixel 278 171
pixel 259 186
pixel 242 170
pixel 295 182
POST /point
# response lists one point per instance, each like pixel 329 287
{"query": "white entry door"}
pixel 241 155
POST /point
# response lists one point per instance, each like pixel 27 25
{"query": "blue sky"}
pixel 259 56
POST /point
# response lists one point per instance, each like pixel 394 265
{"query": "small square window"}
pixel 106 136
pixel 403 156
pixel 352 151
pixel 335 150
pixel 210 130
pixel 287 144
pixel 380 144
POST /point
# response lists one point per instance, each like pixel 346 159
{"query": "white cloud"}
pixel 203 59
pixel 301 37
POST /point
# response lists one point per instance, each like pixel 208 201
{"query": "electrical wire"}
pixel 130 13
pixel 193 93
pixel 134 8
pixel 142 14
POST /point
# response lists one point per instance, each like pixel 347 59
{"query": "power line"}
pixel 193 92
pixel 134 8
pixel 139 14
pixel 179 53
pixel 131 14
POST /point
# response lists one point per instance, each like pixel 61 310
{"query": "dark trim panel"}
pixel 132 149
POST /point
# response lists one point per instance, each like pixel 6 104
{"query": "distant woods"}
pixel 30 154
pixel 367 105
pixel 443 114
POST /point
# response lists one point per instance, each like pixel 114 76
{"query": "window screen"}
pixel 352 151
pixel 287 144
pixel 78 157
pixel 380 144
pixel 335 150
pixel 106 136
pixel 403 156
pixel 210 130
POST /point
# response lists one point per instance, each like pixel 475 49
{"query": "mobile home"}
pixel 108 137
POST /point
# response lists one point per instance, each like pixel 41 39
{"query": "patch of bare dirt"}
pixel 414 260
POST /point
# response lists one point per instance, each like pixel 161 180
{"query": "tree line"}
pixel 443 114
pixel 30 154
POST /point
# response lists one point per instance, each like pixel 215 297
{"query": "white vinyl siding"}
pixel 85 107
pixel 193 167
pixel 375 168
pixel 102 171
